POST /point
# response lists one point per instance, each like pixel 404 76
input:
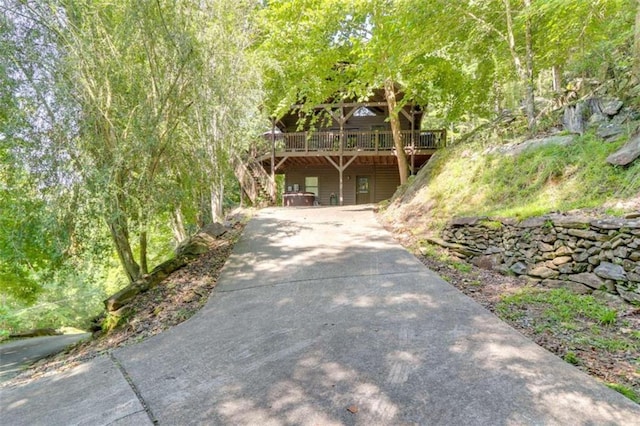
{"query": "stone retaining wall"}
pixel 580 253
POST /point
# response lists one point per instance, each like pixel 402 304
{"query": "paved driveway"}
pixel 320 318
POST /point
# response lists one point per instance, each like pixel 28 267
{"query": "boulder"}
pixel 543 272
pixel 575 117
pixel 578 222
pixel 588 279
pixel 490 262
pixel 519 268
pixel 562 140
pixel 214 230
pixel 628 295
pixel 627 154
pixel 196 245
pixel 611 107
pixel 609 131
pixel 609 271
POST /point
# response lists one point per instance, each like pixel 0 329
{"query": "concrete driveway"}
pixel 321 318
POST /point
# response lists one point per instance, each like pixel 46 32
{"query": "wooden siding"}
pixel 382 184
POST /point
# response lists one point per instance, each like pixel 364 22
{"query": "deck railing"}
pixel 358 141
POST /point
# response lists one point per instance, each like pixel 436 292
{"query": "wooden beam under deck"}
pixel 386 159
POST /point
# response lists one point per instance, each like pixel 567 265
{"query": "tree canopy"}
pixel 121 120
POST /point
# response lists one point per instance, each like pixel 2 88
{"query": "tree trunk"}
pixel 144 269
pixel 216 203
pixel 557 79
pixel 177 226
pixel 636 46
pixel 403 163
pixel 120 235
pixel 530 102
pixel 525 72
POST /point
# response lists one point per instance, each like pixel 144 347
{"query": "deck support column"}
pixel 341 168
pixel 272 189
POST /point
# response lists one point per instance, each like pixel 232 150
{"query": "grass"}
pixel 571 358
pixel 628 392
pixel 561 308
pixel 463 180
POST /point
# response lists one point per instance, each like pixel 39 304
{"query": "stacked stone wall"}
pixel 583 254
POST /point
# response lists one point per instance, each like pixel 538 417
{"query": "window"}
pixel 364 112
pixel 311 184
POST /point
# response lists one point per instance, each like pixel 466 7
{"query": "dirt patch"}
pixel 612 365
pixel 173 301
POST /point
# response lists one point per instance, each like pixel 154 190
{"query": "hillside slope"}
pixel 509 178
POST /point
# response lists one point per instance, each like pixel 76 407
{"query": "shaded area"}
pixel 18 354
pixel 94 393
pixel 377 339
pixel 319 310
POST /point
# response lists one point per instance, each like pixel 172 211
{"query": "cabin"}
pixel 343 153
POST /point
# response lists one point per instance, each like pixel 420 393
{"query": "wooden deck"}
pixel 352 143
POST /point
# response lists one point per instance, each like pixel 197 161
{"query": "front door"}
pixel 362 190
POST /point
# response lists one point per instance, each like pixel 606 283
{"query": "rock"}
pixel 124 296
pixel 464 221
pixel 453 246
pixel 627 154
pixel 611 107
pixel 629 296
pixel 519 268
pixel 609 271
pixel 214 230
pixel 570 285
pixel 621 252
pixel 583 233
pixel 575 116
pixel 196 245
pixel 597 119
pixel 610 285
pixel 609 131
pixel 633 277
pixel 562 260
pixel 555 140
pixel 543 247
pixel 635 256
pixel 581 257
pixel 490 262
pixel 578 222
pixel 617 301
pixel 563 251
pixel 532 222
pixel 588 279
pixel 543 272
pixel 567 268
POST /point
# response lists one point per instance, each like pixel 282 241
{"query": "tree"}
pixel 131 118
pixel 335 50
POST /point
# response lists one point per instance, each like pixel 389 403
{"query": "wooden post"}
pixel 413 142
pixel 340 169
pixel 272 190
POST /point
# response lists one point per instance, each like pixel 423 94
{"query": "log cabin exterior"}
pixel 344 153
